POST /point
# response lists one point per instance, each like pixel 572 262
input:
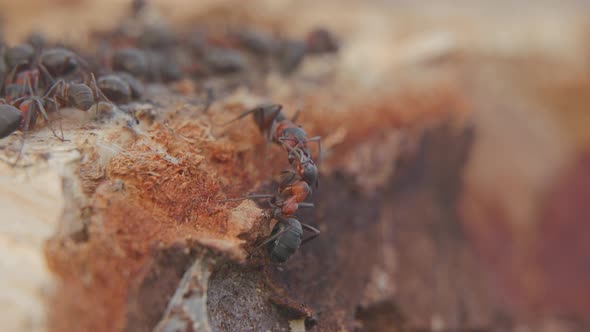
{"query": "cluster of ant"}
pixel 37 79
pixel 296 182
pixel 154 52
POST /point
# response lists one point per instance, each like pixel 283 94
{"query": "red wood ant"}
pixel 287 234
pixel 291 196
pixel 278 129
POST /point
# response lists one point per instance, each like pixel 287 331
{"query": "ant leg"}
pixel 57 110
pixel 273 127
pixel 30 114
pixel 40 107
pixel 241 116
pixel 248 197
pixel 45 73
pixel 296 116
pixel 269 140
pixel 274 237
pixel 10 76
pixel 52 89
pixel 315 234
pixel 97 93
pixel 41 110
pixel 14 70
pixel 81 61
pixel 317 139
pixel 210 99
pixel 97 90
pixel 297 151
pixel 305 205
pixel 20 151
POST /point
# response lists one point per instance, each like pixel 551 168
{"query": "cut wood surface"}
pixel 451 196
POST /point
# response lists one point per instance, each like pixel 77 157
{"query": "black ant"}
pixel 77 95
pixel 61 62
pixel 278 129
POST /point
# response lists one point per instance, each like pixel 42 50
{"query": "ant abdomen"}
pixel 11 119
pixel 59 61
pixel 115 88
pixel 288 234
pixel 80 96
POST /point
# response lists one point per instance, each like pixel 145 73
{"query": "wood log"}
pixel 451 198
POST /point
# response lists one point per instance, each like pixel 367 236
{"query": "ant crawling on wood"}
pixel 77 95
pixel 296 182
pixel 278 129
pixel 287 234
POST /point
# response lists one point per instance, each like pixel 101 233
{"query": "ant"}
pixel 278 129
pixel 77 95
pixel 287 234
pixel 290 198
pixel 60 61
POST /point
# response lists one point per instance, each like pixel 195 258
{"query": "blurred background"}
pixel 521 70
